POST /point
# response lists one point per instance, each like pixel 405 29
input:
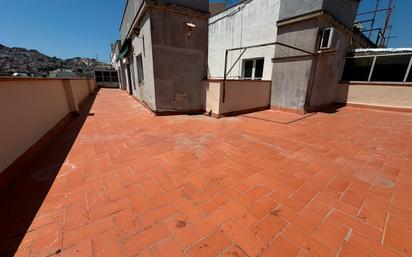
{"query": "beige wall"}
pixel 80 89
pixel 30 108
pixel 240 95
pixel 375 94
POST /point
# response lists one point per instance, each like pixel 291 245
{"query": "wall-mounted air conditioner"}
pixel 330 39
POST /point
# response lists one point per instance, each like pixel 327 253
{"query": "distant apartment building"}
pixel 162 59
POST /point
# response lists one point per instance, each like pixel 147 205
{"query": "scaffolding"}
pixel 378 22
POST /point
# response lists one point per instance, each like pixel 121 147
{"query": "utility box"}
pixel 330 39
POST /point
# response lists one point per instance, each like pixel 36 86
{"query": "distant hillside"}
pixel 15 59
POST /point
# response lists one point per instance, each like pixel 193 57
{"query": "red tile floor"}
pixel 122 182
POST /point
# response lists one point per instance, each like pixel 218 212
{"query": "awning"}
pixel 124 50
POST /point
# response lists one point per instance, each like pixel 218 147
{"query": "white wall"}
pixel 145 91
pixel 247 24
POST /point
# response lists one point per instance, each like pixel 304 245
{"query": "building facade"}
pixel 303 72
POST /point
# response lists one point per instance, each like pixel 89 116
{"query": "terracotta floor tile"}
pixel 107 244
pixel 398 238
pixel 373 215
pixel 212 245
pixel 312 246
pixel 139 242
pixel 357 225
pixel 82 249
pixel 350 250
pixel 281 247
pixel 330 184
pixel 243 238
pixel 331 234
pixel 168 247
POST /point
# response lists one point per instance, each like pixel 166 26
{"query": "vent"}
pixel 330 39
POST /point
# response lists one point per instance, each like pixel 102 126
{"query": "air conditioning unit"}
pixel 330 39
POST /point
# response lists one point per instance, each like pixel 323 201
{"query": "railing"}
pixel 394 67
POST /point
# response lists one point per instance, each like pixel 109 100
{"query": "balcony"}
pixel 119 181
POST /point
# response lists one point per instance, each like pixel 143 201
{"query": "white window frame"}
pixel 253 69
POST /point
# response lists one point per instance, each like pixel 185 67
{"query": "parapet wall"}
pixel 376 94
pixel 31 107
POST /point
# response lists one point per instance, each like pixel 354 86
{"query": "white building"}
pixel 248 23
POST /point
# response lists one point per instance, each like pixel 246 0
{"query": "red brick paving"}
pixel 133 184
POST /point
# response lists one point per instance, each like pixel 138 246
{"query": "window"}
pixel 253 69
pixel 390 68
pixel 140 75
pixel 114 76
pixel 357 69
pixel 99 76
pixel 409 79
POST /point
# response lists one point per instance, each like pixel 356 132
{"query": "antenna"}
pixel 384 29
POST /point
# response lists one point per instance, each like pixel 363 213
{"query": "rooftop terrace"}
pixel 119 181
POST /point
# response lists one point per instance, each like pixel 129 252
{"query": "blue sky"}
pixel 62 28
pixel 70 28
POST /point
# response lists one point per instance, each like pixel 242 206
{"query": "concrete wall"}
pixel 329 66
pixel 309 82
pixel 292 8
pixel 238 96
pixel 291 73
pixel 343 10
pixel 133 6
pixel 247 24
pixel 179 60
pixel 396 95
pixel 142 45
pixel 31 107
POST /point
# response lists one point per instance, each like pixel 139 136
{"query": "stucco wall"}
pixel 375 94
pixel 250 23
pixel 238 96
pixel 80 89
pixel 31 107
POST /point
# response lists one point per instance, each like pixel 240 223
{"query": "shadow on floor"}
pixel 20 203
pixel 332 108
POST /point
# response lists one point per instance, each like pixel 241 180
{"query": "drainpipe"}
pixel 224 79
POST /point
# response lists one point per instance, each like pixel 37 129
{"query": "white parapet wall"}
pixel 376 94
pixel 240 96
pixel 32 107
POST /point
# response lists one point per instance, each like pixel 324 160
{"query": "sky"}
pixel 85 28
pixel 62 28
